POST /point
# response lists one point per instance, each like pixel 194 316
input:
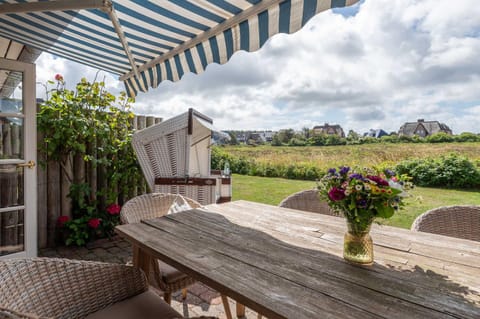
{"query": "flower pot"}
pixel 357 243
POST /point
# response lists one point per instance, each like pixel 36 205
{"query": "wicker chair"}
pixel 454 221
pixel 62 288
pixel 149 206
pixel 309 201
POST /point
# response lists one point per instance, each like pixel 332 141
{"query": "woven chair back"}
pixel 150 206
pixel 454 221
pixel 309 201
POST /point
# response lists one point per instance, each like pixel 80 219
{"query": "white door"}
pixel 18 144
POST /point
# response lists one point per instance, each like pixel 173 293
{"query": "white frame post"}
pixel 30 154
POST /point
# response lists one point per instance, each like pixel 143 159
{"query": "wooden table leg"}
pixel 240 310
pixel 141 260
pixel 226 306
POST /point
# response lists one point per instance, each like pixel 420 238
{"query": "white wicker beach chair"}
pixel 175 158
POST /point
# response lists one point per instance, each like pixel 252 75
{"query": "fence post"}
pixel 53 200
pixel 42 199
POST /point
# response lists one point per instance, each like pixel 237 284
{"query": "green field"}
pixel 273 190
pixel 352 155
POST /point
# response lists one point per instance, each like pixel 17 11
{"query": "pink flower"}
pixel 94 223
pixel 61 220
pixel 59 77
pixel 114 209
pixel 336 194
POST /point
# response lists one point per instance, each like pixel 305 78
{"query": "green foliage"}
pixel 92 124
pixel 440 137
pixel 283 137
pixel 453 171
pixel 467 137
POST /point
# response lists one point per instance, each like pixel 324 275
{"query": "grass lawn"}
pixel 273 190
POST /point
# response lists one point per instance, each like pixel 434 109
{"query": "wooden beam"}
pixel 59 5
pixel 225 25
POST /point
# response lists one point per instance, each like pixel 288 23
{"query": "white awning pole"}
pixel 108 8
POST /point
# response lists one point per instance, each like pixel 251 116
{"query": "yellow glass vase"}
pixel 357 244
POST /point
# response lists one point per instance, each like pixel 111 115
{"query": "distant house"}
pixel 242 137
pixel 375 133
pixel 329 130
pixel 267 136
pixel 423 128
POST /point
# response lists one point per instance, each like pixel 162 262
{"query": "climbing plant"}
pixel 91 124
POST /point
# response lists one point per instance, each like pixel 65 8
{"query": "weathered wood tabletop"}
pixel 288 264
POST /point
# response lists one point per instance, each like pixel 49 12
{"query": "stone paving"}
pixel 201 299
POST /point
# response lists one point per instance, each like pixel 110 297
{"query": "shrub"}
pixel 467 137
pixel 447 171
pixel 440 137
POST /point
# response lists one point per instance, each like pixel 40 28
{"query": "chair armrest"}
pixel 66 288
pixel 10 314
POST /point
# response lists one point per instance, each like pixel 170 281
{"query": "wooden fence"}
pixel 53 186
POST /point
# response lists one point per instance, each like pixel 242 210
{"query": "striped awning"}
pixel 147 42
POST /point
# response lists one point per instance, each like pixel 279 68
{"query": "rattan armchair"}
pixel 454 221
pixel 61 288
pixel 309 201
pixel 148 206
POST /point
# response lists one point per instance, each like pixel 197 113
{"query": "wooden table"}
pixel 288 264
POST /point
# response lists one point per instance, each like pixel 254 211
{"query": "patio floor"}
pixel 201 300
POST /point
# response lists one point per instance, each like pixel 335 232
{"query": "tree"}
pixel 233 138
pixel 284 136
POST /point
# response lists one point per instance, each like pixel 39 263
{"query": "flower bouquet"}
pixel 361 196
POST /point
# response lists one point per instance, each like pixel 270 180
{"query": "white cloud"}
pixel 394 61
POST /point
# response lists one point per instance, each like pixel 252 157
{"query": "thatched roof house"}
pixel 329 130
pixel 423 128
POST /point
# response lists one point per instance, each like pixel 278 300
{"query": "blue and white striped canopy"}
pixel 146 42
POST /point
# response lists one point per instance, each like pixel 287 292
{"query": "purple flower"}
pixel 390 173
pixel 377 179
pixel 344 170
pixel 362 203
pixel 356 176
pixel 336 194
pixel 332 171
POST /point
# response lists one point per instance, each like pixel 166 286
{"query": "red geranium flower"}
pixel 61 220
pixel 114 209
pixel 94 222
pixel 59 77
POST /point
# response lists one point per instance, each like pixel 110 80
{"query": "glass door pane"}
pixel 12 159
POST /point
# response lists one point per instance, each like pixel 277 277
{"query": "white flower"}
pixel 398 186
pixel 358 187
pixel 347 192
pixel 367 187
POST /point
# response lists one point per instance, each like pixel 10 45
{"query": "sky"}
pixel 377 64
